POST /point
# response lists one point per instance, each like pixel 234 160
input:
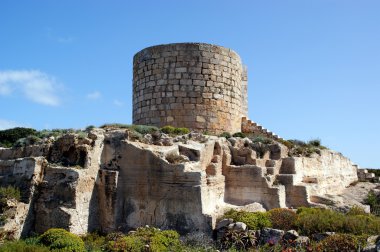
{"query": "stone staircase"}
pixel 248 126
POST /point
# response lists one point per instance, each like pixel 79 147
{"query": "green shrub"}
pixel 371 199
pixel 168 129
pixel 197 241
pixel 89 128
pixel 115 125
pixel 254 221
pixel 174 131
pixel 361 224
pixel 163 240
pixel 340 242
pixel 226 135
pixel 22 246
pixel 94 242
pixel 135 136
pixel 144 129
pixel 126 243
pixel 297 142
pixel 29 140
pixel 56 133
pixel 303 149
pixel 262 139
pixel 181 131
pixel 9 137
pixel 58 239
pixel 282 218
pixel 317 220
pixel 315 142
pixel 287 143
pixel 239 134
pixel 10 192
pixel 356 210
pixel 167 240
pixel 260 149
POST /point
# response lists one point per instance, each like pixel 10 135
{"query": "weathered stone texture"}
pixel 124 184
pixel 194 85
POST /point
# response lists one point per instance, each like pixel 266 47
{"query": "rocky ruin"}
pixel 114 180
pixel 111 181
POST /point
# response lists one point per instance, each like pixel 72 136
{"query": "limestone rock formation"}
pixel 110 181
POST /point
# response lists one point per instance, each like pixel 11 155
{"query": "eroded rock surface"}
pixel 115 181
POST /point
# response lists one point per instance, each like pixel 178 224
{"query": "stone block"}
pixel 181 70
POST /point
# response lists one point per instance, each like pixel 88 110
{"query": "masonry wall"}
pixel 194 85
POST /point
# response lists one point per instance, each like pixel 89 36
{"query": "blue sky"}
pixel 314 66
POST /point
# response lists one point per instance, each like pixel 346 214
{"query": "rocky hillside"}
pixel 116 178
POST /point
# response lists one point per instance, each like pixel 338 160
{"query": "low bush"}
pixel 197 241
pixel 174 131
pixel 144 129
pixel 287 143
pixel 260 149
pixel 356 210
pixel 297 142
pixel 29 140
pixel 254 221
pixel 167 240
pixel 317 220
pixel 94 242
pixel 22 246
pixel 10 192
pixel 341 242
pixel 57 239
pixel 361 224
pixel 315 142
pixel 282 218
pixel 89 128
pixel 371 199
pixel 135 136
pixel 56 133
pixel 262 139
pixel 126 243
pixel 9 137
pixel 167 129
pixel 239 134
pixel 303 149
pixel 115 125
pixel 225 135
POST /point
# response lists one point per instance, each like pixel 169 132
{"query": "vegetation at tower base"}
pixel 257 237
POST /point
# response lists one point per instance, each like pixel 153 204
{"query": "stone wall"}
pixel 199 86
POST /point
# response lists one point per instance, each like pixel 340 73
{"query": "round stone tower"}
pixel 199 86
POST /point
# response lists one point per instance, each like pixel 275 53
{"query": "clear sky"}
pixel 314 66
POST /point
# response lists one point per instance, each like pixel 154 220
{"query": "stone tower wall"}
pixel 193 85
